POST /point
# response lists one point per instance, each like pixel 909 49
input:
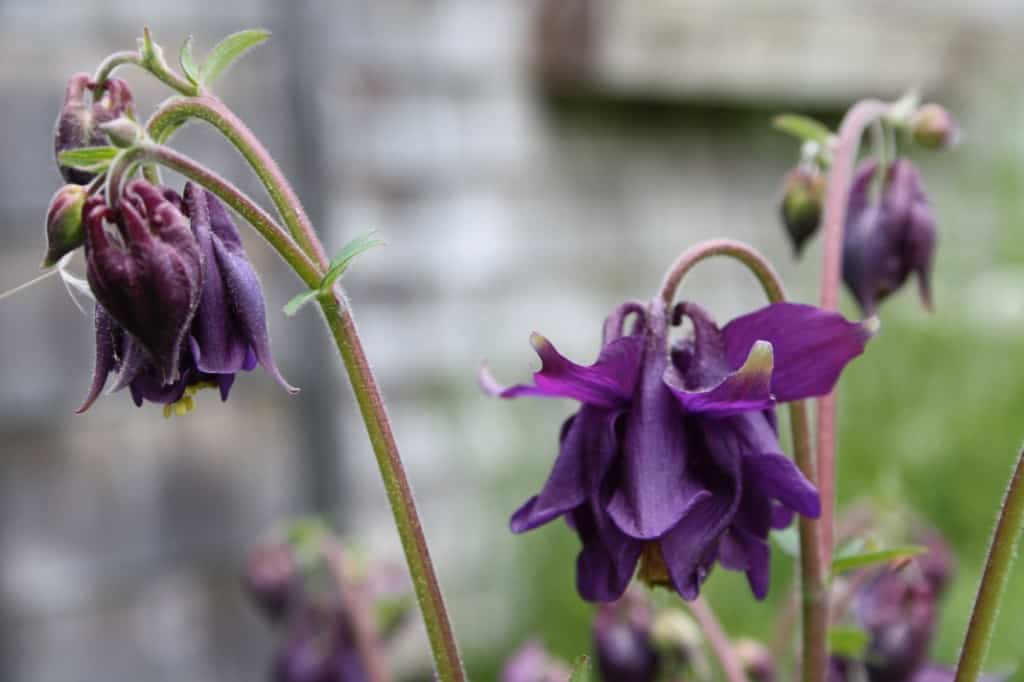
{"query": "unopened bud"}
pixel 932 126
pixel 64 231
pixel 122 132
pixel 802 197
pixel 270 573
pixel 756 659
pixel 80 118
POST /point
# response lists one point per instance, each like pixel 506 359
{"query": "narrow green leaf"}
pixel 802 127
pixel 354 248
pixel 89 158
pixel 788 540
pixel 299 301
pixel 188 63
pixel 848 640
pixel 580 670
pixel 869 558
pixel 227 51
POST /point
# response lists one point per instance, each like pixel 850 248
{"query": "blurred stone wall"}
pixel 507 209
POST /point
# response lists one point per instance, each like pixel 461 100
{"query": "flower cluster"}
pixel 178 304
pixel 673 456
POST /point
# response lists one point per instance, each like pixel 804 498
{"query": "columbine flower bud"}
pixel 888 238
pixel 147 272
pixel 64 231
pixel 270 573
pixel 122 132
pixel 79 120
pixel 756 659
pixel 802 196
pixel 622 642
pixel 897 609
pixel 932 126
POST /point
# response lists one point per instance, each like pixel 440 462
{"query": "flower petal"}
pixel 656 488
pixel 743 551
pixel 105 361
pixel 608 559
pixel 811 346
pixel 747 389
pixel 779 478
pixel 588 447
pixel 689 547
pixel 609 382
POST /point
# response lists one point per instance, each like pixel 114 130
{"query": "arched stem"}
pixel 814 597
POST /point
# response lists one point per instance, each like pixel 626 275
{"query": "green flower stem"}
pixel 840 177
pixel 814 596
pixel 172 114
pixel 993 581
pixel 338 316
pixel 157 67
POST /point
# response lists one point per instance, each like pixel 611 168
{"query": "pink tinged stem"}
pixel 993 580
pixel 856 121
pixel 813 594
pixel 718 640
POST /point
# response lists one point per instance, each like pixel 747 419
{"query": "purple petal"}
pixel 779 478
pixel 747 389
pixel 781 516
pixel 743 551
pixel 811 346
pixel 218 345
pixel 685 548
pixel 608 559
pixel 587 450
pixel 656 489
pixel 609 382
pixel 242 286
pixel 105 361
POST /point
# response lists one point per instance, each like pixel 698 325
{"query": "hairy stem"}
pixel 718 640
pixel 174 113
pixel 428 591
pixel 993 581
pixel 840 176
pixel 159 69
pixel 814 596
pixel 338 317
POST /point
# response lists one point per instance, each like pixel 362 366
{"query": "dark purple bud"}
pixel 80 118
pixel 623 648
pixel 756 660
pixel 802 197
pixel 532 663
pixel 146 269
pixel 318 648
pixel 897 610
pixel 932 126
pixel 270 575
pixel 889 237
pixel 64 231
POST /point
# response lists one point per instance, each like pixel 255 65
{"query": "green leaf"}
pixel 89 158
pixel 227 51
pixel 354 248
pixel 843 564
pixel 188 63
pixel 802 127
pixel 299 301
pixel 848 640
pixel 581 670
pixel 788 541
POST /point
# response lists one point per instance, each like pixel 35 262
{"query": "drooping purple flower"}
pixel 319 648
pixel 147 271
pixel 226 332
pixel 623 647
pixel 532 663
pixel 674 457
pixel 78 124
pixel 889 237
pixel 897 609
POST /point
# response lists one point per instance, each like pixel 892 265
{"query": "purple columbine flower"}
pixel 675 457
pixel 889 237
pixel 226 330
